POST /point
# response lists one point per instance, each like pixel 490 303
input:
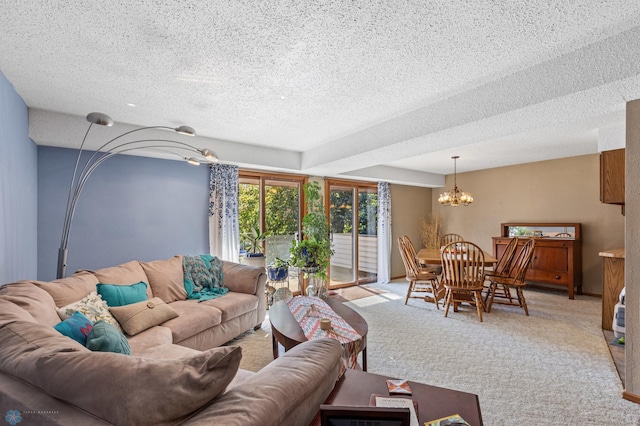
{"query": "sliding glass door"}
pixel 352 208
pixel 270 207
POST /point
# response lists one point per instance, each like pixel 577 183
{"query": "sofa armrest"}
pixel 288 391
pixel 244 278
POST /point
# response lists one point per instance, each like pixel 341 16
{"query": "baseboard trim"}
pixel 631 397
pixel 542 286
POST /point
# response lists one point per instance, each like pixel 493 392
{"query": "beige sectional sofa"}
pixel 177 372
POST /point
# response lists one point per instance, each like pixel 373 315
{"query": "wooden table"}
pixel 356 387
pixel 431 256
pixel 286 331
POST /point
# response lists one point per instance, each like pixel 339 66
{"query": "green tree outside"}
pixel 342 212
pixel 248 207
pixel 282 207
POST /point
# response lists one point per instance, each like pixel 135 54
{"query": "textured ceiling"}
pixel 375 89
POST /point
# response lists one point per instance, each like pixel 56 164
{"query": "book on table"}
pixel 454 419
pixel 395 402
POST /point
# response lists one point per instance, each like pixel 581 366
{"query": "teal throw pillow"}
pixel 104 337
pixel 77 326
pixel 121 295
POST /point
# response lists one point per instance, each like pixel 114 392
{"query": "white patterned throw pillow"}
pixel 93 307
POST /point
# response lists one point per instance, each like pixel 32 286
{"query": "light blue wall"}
pixel 132 208
pixel 18 189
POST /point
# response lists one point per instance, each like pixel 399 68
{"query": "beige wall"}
pixel 565 190
pixel 409 204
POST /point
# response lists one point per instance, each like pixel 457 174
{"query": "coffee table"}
pixel 286 331
pixel 356 387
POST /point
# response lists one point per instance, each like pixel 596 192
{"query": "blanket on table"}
pixel 308 311
pixel 203 277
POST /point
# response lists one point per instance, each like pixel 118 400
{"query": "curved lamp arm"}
pixel 90 167
pixel 99 157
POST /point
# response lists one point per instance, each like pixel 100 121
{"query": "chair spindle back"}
pixel 463 264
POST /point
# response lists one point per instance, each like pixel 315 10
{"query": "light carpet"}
pixel 551 368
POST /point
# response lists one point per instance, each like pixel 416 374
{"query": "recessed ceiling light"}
pixel 131 105
pixel 281 97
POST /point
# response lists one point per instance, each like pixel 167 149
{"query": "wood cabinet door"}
pixel 550 259
pixel 612 169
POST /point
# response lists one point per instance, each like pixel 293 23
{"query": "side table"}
pixel 286 331
pixel 356 387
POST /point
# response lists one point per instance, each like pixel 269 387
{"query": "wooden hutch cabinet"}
pixel 557 257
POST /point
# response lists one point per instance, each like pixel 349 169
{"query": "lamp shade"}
pixel 186 130
pixel 99 118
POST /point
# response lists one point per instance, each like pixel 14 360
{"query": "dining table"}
pixel 431 256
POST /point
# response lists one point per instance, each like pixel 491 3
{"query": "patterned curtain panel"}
pixel 384 232
pixel 224 232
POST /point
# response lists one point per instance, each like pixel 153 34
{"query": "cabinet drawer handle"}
pixel 557 277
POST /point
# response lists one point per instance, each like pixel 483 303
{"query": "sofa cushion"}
pixel 24 341
pixel 233 304
pixel 124 274
pixel 70 289
pixel 154 336
pixel 193 318
pixel 168 351
pixel 77 327
pixel 137 317
pixel 104 337
pixel 93 307
pixel 166 278
pixel 241 278
pixel 34 300
pixel 10 312
pixel 120 295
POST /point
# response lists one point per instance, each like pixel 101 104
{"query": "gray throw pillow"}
pixel 104 337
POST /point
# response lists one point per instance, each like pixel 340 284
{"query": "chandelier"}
pixel 455 197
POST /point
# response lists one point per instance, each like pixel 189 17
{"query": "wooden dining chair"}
pixel 563 235
pixel 501 269
pixel 515 278
pixel 449 238
pixel 422 267
pixel 463 275
pixel 423 284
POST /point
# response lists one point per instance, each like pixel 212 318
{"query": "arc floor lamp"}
pixel 113 147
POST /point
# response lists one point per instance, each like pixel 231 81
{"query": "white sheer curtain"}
pixel 224 232
pixel 384 233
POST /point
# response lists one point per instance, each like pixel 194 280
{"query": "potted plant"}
pixel 278 270
pixel 313 252
pixel 253 242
